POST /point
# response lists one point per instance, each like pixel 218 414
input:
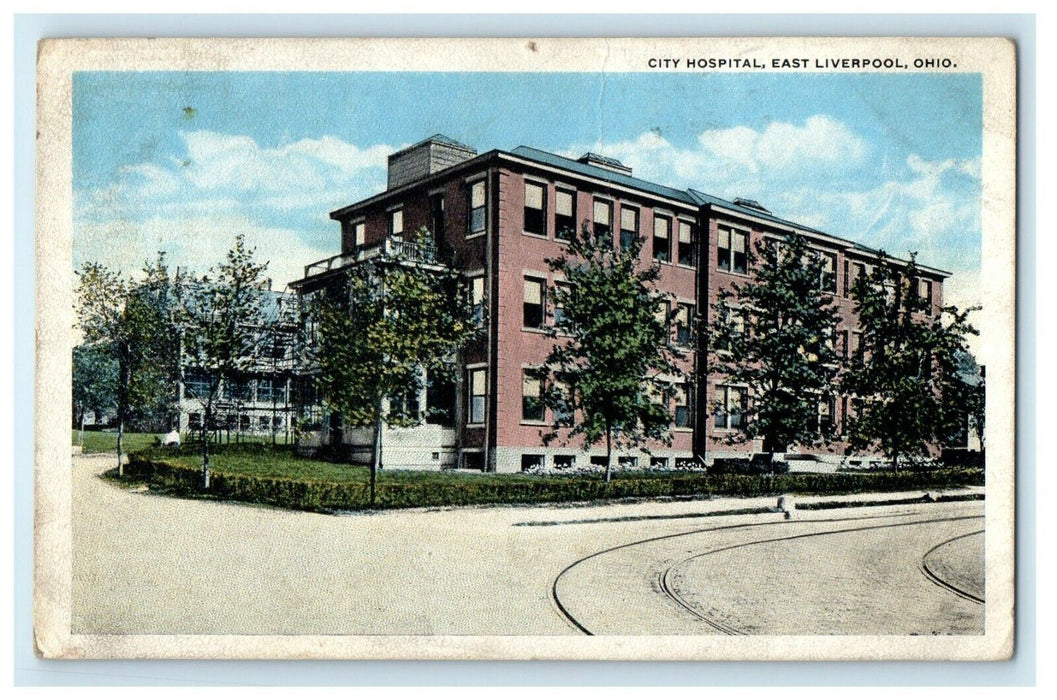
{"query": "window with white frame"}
pixel 535 209
pixel 683 412
pixel 731 404
pixel 477 299
pixel 478 198
pixel 564 214
pixel 602 217
pixel 687 244
pixel 828 276
pixel 925 290
pixel 684 324
pixel 396 222
pixel 532 408
pixel 563 406
pixel 534 306
pixel 629 226
pixel 662 238
pixel 560 317
pixel 359 233
pixel 732 247
pixel 477 382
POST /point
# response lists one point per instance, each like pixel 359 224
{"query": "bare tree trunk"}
pixel 80 440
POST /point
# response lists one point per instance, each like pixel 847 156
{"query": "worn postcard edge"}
pixel 58 59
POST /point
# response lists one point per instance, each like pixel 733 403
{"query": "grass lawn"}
pixel 99 441
pixel 281 463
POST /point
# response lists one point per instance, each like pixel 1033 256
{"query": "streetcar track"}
pixel 942 583
pixel 663 579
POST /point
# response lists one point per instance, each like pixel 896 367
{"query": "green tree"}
pixel 130 320
pixel 613 367
pixel 394 325
pixel 95 374
pixel 220 315
pixel 774 335
pixel 906 379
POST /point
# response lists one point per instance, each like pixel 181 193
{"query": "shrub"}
pixel 431 489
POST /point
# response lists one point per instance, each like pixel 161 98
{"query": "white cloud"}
pixel 195 243
pixel 192 203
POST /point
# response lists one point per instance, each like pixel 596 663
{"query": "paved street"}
pixel 150 564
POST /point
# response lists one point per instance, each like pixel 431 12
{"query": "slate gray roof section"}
pixel 593 171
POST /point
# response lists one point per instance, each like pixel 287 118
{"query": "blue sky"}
pixel 185 161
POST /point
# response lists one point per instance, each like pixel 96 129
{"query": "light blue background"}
pixel 32 671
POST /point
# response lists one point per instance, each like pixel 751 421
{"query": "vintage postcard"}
pixel 535 348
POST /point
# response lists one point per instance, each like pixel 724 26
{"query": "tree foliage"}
pixel 612 370
pixel 95 375
pixel 220 316
pixel 775 336
pixel 906 380
pixel 393 324
pixel 131 321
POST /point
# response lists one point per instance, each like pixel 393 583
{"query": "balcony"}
pixel 389 250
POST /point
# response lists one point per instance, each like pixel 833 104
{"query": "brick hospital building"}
pixel 496 217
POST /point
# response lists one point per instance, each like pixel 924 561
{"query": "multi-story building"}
pixel 259 401
pixel 497 217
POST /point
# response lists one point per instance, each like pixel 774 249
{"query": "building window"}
pixel 733 245
pixel 628 462
pixel 477 300
pixel 684 324
pixel 683 414
pixel 396 222
pixel 473 460
pixel 436 216
pixel 826 408
pixel 629 226
pixel 476 396
pixel 559 309
pixel 731 403
pixel 531 400
pixel 244 422
pixel 196 385
pixel 531 463
pixel 858 271
pixel 658 462
pixel 564 214
pixel 925 290
pixel 359 233
pixel 563 407
pixel 477 204
pixel 599 461
pixel 856 347
pixel 194 421
pixel 277 423
pixel 662 238
pixel 535 209
pixel 664 313
pixel 827 280
pixel 534 305
pixel 603 218
pixel 266 390
pixel 262 423
pixel 687 244
pixel 564 461
pixel 844 349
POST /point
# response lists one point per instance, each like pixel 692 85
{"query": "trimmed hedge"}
pixel 322 496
